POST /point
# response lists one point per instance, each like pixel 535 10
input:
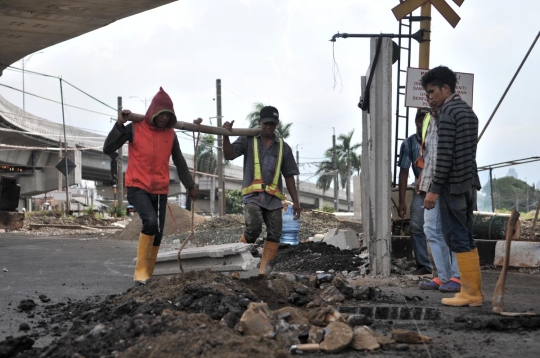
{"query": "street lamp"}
pixel 24 61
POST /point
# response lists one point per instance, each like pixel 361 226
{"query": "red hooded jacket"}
pixel 149 153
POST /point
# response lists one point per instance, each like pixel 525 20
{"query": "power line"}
pixel 56 77
pixel 52 100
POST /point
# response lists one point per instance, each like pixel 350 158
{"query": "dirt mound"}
pixel 309 257
pixel 229 228
pixel 178 222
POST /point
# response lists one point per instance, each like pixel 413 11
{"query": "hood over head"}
pixel 161 102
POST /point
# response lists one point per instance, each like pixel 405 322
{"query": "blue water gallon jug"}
pixel 291 228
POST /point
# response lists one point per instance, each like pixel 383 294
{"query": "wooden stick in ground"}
pixel 498 294
pixel 235 132
pixel 531 236
pixel 192 233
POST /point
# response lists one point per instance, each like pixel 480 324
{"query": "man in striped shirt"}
pixel 455 180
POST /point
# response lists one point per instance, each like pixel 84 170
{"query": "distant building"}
pixel 512 173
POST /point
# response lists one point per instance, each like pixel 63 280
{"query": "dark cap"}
pixel 421 112
pixel 269 114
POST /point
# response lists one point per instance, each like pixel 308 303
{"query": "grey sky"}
pixel 277 52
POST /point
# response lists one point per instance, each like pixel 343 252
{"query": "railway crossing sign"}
pixel 408 6
pixel 61 166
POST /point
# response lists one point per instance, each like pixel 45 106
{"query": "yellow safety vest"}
pixel 425 126
pixel 258 184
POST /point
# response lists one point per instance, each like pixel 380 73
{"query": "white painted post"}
pixel 380 144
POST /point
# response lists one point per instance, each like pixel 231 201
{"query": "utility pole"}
pixel 425 24
pixel 120 163
pixel 66 154
pixel 221 186
pixel 334 162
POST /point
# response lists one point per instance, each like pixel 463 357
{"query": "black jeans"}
pixel 151 209
pixel 457 219
pixel 254 216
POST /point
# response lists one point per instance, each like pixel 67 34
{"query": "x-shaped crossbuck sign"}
pixel 408 6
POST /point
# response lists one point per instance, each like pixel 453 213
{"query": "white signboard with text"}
pixel 415 96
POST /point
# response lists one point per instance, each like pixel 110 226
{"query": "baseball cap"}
pixel 422 112
pixel 269 114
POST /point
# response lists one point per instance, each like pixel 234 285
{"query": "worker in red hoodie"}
pixel 152 141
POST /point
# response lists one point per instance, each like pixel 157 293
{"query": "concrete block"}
pixel 223 258
pixel 342 239
pixel 318 237
pixel 522 254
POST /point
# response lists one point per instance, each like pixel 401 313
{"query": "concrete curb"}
pixel 224 258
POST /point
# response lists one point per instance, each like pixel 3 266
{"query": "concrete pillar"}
pixel 379 152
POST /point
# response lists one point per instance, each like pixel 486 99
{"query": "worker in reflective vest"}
pixel 266 158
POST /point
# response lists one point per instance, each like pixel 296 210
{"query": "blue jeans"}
pixel 417 232
pixel 445 260
pixel 151 209
pixel 457 219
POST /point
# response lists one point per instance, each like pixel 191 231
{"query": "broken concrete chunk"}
pixel 291 315
pixel 366 293
pixel 316 334
pixel 343 239
pixel 338 336
pixel 410 337
pixel 342 284
pixel 384 340
pixel 331 294
pixel 359 320
pixel 256 321
pixel 322 316
pixel 364 340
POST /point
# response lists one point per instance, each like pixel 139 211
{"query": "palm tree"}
pixel 345 152
pixel 348 162
pixel 206 158
pixel 283 130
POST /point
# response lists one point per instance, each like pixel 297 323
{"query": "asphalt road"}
pixel 59 268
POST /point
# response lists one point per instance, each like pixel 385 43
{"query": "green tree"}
pixel 283 130
pixel 509 192
pixel 233 202
pixel 206 157
pixel 348 162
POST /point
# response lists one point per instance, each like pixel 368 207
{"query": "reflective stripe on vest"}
pixel 258 184
pixel 425 125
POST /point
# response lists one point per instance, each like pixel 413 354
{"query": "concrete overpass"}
pixel 27 26
pixel 29 149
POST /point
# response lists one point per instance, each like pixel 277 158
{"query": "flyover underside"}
pixel 27 26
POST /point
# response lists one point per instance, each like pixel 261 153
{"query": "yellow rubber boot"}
pixel 243 239
pixel 270 250
pixel 471 281
pixel 144 253
pixel 153 259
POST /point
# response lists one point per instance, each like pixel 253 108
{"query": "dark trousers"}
pixel 254 217
pixel 457 219
pixel 151 209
